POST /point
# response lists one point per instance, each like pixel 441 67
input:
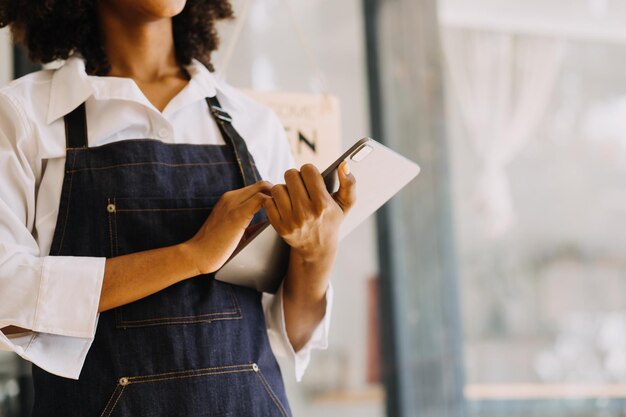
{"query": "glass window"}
pixel 537 133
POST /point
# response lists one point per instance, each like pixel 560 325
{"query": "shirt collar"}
pixel 69 88
pixel 72 86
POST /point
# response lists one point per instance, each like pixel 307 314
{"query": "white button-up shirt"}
pixel 57 297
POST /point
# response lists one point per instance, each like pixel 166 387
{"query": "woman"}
pixel 129 176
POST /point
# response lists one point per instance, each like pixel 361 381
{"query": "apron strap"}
pixel 76 128
pixel 224 122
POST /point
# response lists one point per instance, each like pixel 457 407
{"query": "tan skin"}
pixel 138 41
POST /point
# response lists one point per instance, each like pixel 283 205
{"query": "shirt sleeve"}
pixel 56 298
pixel 277 331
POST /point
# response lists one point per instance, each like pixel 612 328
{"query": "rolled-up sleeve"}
pixel 277 331
pixel 55 298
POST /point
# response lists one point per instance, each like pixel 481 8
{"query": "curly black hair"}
pixel 55 29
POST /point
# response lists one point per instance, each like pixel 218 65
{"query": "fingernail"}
pixel 346 168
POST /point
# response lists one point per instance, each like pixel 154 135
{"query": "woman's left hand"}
pixel 306 215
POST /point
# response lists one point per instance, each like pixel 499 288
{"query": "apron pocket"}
pixel 226 391
pixel 195 300
pixel 138 224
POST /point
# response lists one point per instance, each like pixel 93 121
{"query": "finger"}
pixel 280 194
pixel 346 195
pixel 314 184
pixel 273 215
pixel 243 194
pixel 254 204
pixel 300 201
pixel 259 186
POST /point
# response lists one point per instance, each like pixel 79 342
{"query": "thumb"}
pixel 346 195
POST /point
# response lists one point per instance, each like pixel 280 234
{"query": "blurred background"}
pixel 495 284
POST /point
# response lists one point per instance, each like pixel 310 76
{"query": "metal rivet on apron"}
pixel 123 381
pixel 111 208
pixel 255 367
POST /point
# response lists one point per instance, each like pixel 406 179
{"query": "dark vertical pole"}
pixel 419 302
pixel 387 331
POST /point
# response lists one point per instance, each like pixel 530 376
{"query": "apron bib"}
pixel 197 348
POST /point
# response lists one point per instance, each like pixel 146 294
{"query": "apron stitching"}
pixel 156 322
pixel 270 392
pixel 110 229
pixel 251 165
pixel 163 209
pixel 117 249
pixel 243 367
pixel 118 398
pixel 149 163
pixel 161 143
pixel 234 298
pixel 234 371
pixel 111 399
pixel 67 211
pixel 181 317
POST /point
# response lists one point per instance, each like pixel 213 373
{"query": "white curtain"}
pixel 503 83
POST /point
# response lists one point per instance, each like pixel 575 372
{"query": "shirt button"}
pixel 163 132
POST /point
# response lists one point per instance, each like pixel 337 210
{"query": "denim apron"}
pixel 197 348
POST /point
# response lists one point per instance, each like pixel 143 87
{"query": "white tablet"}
pixel 261 263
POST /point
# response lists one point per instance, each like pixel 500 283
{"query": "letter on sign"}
pixel 312 123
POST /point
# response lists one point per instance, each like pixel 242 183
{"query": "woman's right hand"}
pixel 220 234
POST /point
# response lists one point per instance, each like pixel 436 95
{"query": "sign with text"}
pixel 312 123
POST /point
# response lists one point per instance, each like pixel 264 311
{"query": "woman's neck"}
pixel 138 48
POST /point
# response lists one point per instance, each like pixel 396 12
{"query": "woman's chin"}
pixel 150 9
pixel 162 8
